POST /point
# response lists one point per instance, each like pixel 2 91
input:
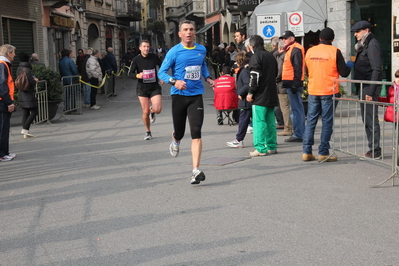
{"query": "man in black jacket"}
pixel 368 66
pixel 263 96
pixel 111 66
pixel 81 61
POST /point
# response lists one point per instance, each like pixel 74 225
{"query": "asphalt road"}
pixel 90 191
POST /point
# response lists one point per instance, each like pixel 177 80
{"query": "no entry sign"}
pixel 295 22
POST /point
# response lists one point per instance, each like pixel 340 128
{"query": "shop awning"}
pixel 206 27
pixel 314 12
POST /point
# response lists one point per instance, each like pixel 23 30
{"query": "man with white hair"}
pixel 7 54
pixel 34 60
pixel 93 70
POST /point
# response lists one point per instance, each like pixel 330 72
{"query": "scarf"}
pixel 3 58
pixel 360 44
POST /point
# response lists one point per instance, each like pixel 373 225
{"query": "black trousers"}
pixel 93 91
pixel 28 115
pixel 4 133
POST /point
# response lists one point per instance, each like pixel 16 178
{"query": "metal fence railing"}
pixel 72 95
pixel 350 124
pixel 42 102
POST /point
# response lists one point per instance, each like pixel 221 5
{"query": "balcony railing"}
pixel 172 13
pixel 91 9
pixel 129 9
pixel 55 3
pixel 195 8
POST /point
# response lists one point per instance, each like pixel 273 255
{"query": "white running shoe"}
pixel 148 136
pixel 152 117
pixel 174 148
pixel 95 107
pixel 27 133
pixel 5 158
pixel 197 176
pixel 249 130
pixel 235 144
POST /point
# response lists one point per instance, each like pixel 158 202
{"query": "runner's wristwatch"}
pixel 172 81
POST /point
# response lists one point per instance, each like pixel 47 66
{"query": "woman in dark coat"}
pixel 245 107
pixel 27 99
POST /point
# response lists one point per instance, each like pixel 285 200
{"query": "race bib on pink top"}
pixel 149 76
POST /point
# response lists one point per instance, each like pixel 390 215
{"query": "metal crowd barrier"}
pixel 72 95
pixel 109 85
pixel 349 130
pixel 125 74
pixel 42 102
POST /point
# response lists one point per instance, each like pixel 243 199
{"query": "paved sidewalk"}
pixel 90 191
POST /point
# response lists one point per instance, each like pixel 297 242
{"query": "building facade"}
pixel 21 26
pixel 48 26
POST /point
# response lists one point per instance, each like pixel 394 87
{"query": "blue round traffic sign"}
pixel 269 31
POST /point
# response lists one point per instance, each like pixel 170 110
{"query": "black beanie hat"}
pixel 327 34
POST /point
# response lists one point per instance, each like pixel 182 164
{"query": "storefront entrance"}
pixel 379 14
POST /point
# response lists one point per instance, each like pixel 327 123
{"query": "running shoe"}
pixel 174 148
pixel 27 133
pixel 95 107
pixel 235 144
pixel 152 117
pixel 148 135
pixel 5 158
pixel 197 176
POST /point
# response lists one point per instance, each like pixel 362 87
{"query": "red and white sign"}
pixel 295 23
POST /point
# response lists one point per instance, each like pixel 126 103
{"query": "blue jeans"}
pixel 297 112
pixel 319 105
pixel 86 94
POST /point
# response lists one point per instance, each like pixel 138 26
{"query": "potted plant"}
pixel 54 87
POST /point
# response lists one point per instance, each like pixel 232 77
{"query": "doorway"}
pixel 379 14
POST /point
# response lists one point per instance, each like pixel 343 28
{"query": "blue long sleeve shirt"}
pixel 188 64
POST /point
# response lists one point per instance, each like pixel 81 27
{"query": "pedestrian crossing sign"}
pixel 269 25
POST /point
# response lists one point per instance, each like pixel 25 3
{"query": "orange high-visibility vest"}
pixel 288 69
pixel 321 61
pixel 10 82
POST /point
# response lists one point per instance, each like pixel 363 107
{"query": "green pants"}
pixel 264 128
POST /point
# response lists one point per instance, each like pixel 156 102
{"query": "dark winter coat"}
pixel 368 64
pixel 27 99
pixel 81 63
pixel 242 87
pixel 263 73
pixel 36 62
pixel 110 62
pixel 68 68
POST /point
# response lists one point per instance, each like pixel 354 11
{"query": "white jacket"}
pixel 93 68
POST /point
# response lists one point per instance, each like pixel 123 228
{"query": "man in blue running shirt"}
pixel 187 61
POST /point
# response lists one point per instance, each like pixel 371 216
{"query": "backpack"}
pixel 22 82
